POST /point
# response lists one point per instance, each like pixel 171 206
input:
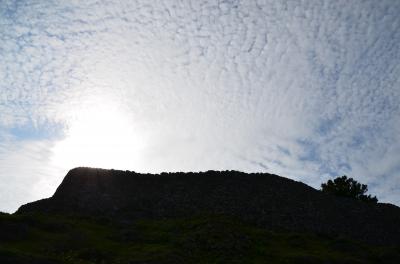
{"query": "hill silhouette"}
pixel 263 200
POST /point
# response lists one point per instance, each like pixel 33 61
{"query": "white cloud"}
pixel 306 90
pixel 26 174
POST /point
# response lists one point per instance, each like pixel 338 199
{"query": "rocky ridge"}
pixel 263 199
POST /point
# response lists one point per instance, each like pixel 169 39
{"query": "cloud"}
pixel 26 174
pixel 307 90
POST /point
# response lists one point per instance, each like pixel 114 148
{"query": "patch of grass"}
pixel 36 238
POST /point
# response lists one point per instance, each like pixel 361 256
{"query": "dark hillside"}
pixel 54 239
pixel 265 200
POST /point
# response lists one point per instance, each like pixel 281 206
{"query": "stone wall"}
pixel 263 199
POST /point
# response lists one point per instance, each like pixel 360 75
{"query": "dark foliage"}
pixel 198 239
pixel 348 187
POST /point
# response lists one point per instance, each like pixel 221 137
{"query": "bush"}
pixel 348 187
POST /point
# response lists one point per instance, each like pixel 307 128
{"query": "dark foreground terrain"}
pixel 109 216
pixel 45 239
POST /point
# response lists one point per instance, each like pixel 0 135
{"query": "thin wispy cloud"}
pixel 308 90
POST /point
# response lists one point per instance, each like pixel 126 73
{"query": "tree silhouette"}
pixel 348 187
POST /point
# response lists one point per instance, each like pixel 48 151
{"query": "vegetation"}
pixel 47 239
pixel 348 187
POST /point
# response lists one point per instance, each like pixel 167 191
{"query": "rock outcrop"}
pixel 264 199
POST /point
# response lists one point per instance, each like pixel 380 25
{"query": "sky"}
pixel 309 90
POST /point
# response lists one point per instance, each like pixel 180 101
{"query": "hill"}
pixel 110 216
pixel 266 200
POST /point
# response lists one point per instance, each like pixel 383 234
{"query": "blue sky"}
pixel 308 90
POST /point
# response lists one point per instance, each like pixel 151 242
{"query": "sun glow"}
pixel 99 135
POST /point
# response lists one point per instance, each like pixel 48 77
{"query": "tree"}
pixel 348 187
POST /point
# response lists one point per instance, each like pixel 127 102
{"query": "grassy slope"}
pixel 203 239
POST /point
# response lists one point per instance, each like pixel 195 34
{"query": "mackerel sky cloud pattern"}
pixel 309 90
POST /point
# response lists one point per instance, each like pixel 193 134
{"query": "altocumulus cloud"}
pixel 308 90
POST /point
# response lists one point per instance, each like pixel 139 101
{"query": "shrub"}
pixel 348 187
